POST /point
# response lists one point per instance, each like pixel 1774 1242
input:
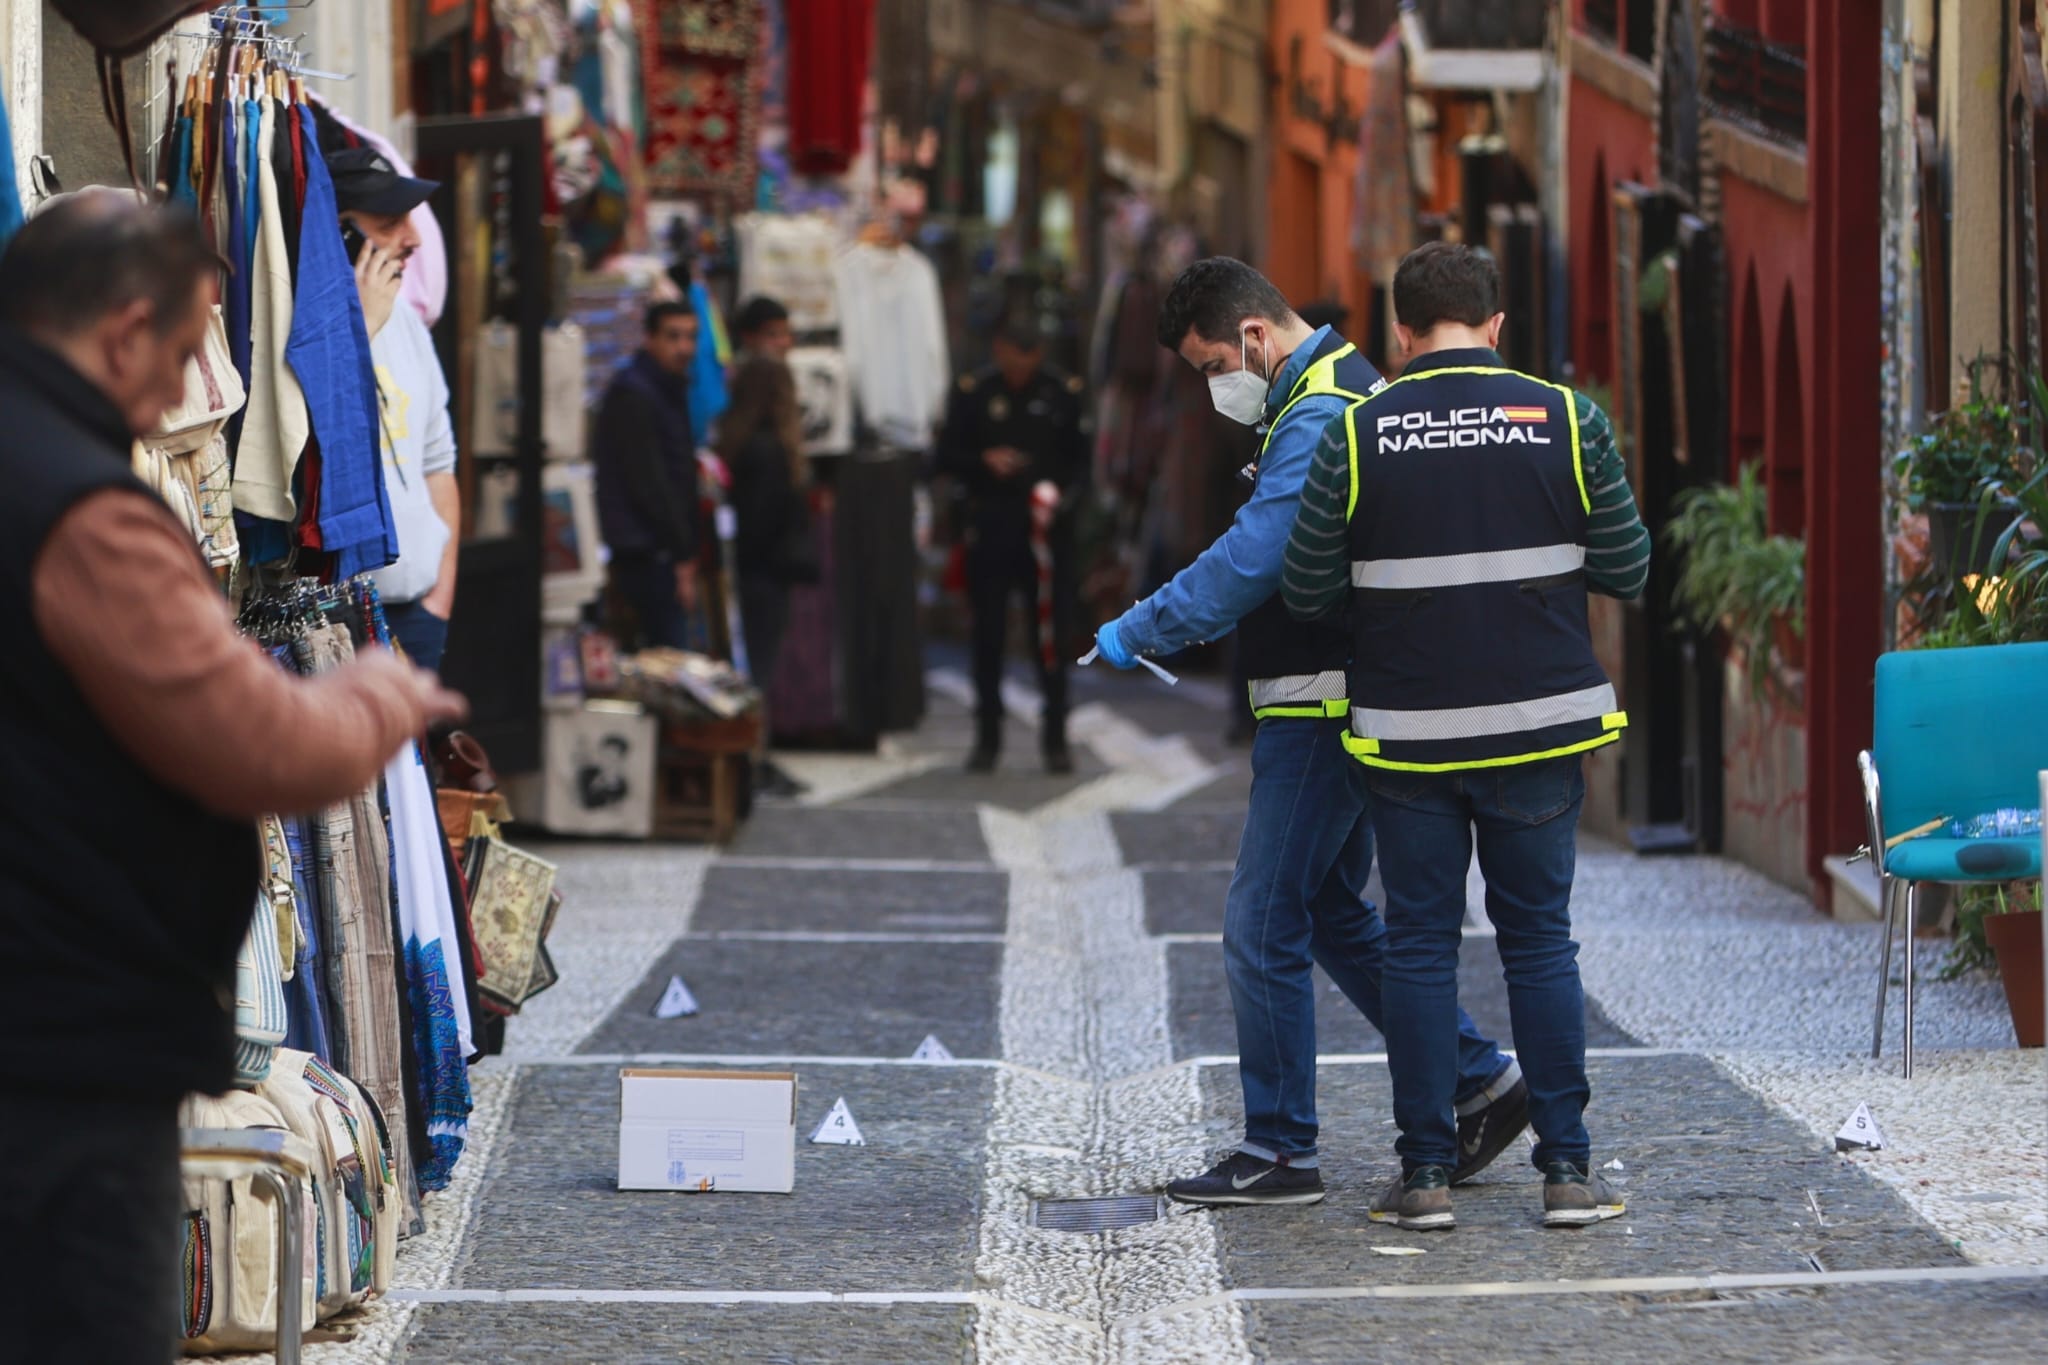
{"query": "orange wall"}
pixel 1314 176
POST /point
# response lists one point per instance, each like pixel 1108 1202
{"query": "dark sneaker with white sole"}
pixel 1245 1179
pixel 1419 1201
pixel 1573 1197
pixel 1485 1133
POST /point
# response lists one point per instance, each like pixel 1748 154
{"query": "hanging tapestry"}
pixel 709 28
pixel 699 59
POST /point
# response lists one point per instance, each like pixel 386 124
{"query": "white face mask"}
pixel 1241 394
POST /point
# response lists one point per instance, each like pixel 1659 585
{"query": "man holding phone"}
pixel 376 204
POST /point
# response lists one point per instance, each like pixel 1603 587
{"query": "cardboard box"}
pixel 707 1130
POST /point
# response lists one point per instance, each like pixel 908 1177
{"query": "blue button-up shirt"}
pixel 1242 568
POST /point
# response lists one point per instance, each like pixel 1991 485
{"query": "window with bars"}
pixel 1755 82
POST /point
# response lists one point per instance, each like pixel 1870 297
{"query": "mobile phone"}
pixel 353 241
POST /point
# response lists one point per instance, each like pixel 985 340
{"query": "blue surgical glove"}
pixel 1113 647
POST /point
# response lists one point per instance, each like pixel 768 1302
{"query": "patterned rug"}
pixel 703 98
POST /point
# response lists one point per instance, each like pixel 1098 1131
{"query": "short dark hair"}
pixel 756 313
pixel 97 251
pixel 1446 282
pixel 1214 297
pixel 659 313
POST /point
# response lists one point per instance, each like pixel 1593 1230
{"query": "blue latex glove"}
pixel 1113 648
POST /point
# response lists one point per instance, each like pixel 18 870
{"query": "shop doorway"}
pixel 489 207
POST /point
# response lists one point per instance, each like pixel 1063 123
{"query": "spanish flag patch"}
pixel 1525 414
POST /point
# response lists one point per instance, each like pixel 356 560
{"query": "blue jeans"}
pixel 421 634
pixel 1527 821
pixel 1297 901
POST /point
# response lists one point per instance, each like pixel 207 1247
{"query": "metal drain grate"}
pixel 1096 1215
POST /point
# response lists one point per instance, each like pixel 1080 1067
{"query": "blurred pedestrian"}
pixel 1015 433
pixel 761 327
pixel 647 477
pixel 761 439
pixel 1461 514
pixel 1298 898
pixel 141 738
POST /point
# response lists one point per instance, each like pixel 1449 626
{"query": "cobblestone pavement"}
pixel 1060 937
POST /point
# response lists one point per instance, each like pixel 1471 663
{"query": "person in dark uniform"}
pixel 1010 429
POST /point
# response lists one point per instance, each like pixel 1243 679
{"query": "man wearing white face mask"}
pixel 1298 897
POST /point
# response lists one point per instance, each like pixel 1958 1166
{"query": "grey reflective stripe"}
pixel 1467 722
pixel 1452 571
pixel 1300 687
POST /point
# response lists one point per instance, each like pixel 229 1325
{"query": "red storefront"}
pixel 1732 138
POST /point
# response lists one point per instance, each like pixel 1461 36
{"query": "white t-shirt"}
pixel 418 440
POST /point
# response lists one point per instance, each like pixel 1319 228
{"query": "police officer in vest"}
pixel 1466 509
pixel 1298 897
pixel 1015 435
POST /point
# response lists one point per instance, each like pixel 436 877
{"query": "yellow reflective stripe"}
pixel 1318 378
pixel 1366 751
pixel 1329 710
pixel 1351 452
pixel 1614 720
pixel 1571 408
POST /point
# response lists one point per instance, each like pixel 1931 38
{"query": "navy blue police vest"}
pixel 1297 667
pixel 1470 647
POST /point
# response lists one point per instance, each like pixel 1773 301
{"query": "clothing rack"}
pixel 238 26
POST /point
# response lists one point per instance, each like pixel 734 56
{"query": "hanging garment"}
pixel 306 1001
pixel 182 190
pixel 10 196
pixel 827 72
pixel 189 447
pixel 893 332
pixel 276 426
pixel 881 662
pixel 441 1026
pixel 707 372
pixel 362 963
pixel 329 351
pixel 795 261
pixel 234 205
pixel 1383 216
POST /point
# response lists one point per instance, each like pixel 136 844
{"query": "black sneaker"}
pixel 1573 1197
pixel 982 760
pixel 1245 1179
pixel 1485 1133
pixel 1059 761
pixel 1419 1201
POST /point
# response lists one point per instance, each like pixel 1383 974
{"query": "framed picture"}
pixel 600 770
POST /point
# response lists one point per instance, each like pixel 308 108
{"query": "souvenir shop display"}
pixel 600 761
pixel 699 61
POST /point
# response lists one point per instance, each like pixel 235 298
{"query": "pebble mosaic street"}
pixel 1060 936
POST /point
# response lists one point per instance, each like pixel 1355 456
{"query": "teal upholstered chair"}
pixel 1959 732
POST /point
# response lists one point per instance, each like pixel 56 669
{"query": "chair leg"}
pixel 1912 919
pixel 1887 911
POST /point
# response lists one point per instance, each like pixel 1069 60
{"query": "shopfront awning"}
pixel 1470 68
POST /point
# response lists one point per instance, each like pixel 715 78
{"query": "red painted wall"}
pixel 1609 142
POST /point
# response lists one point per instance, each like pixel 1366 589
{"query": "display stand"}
pixel 703 784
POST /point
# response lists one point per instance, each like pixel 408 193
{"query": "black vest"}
pixel 1297 667
pixel 1468 551
pixel 122 902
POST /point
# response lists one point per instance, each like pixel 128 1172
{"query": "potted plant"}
pixel 1736 577
pixel 1961 472
pixel 2002 925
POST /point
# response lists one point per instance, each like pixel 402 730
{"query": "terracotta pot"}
pixel 2016 939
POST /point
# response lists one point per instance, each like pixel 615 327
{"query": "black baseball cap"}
pixel 365 181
